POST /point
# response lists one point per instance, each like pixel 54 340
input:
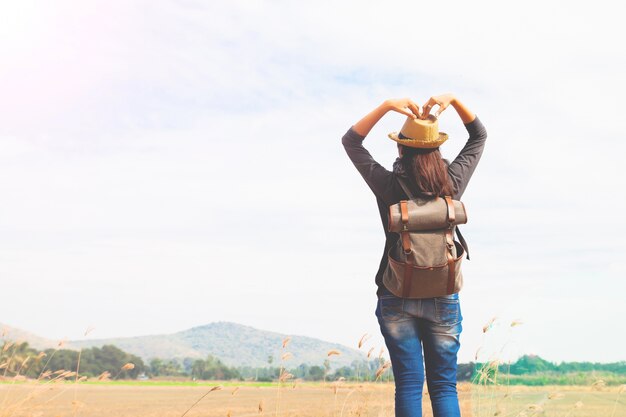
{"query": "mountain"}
pixel 18 335
pixel 235 344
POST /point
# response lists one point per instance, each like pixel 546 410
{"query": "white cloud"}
pixel 176 152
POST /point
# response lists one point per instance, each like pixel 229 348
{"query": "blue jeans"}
pixel 434 324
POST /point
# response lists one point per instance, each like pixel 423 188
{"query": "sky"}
pixel 167 164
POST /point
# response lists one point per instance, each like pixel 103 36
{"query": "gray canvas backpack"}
pixel 426 261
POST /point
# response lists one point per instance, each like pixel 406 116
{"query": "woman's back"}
pixel 386 188
pixel 411 326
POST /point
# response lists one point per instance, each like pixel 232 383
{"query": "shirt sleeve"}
pixel 463 166
pixel 377 177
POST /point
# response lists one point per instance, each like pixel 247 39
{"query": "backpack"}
pixel 426 260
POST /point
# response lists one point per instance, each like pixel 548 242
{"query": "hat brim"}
pixel 418 143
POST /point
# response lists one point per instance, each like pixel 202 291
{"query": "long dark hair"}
pixel 428 170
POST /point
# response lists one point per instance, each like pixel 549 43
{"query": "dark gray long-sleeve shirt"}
pixel 385 186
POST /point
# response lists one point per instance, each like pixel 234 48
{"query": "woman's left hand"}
pixel 404 106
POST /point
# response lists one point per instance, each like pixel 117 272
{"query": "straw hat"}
pixel 420 133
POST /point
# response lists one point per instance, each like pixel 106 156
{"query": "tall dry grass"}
pixel 489 394
pixel 14 365
pixel 493 394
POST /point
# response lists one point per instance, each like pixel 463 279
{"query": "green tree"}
pixel 316 373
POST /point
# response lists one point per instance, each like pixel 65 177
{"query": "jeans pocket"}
pixel 447 310
pixel 391 308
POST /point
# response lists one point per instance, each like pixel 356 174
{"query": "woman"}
pixel 432 324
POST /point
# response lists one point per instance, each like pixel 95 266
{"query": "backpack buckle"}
pixel 450 239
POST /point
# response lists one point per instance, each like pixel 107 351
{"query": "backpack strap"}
pixel 450 244
pixel 405 188
pixel 406 241
pixel 458 231
pixel 406 246
pixel 463 242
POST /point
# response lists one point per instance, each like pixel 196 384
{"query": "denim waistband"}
pixel 386 292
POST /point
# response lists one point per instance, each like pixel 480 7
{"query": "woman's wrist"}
pixel 464 113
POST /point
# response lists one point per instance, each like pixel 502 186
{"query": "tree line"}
pixel 534 370
pixel 107 362
pixel 110 362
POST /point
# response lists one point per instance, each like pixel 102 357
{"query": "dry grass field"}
pixel 303 400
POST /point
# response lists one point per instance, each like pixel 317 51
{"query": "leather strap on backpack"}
pixel 406 282
pixel 451 213
pixel 406 246
pixel 451 265
pixel 450 245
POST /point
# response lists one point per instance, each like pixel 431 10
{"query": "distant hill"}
pixel 19 335
pixel 235 344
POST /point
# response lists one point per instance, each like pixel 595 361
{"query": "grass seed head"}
pixel 363 339
pixel 477 351
pixel 286 341
pixel 26 359
pixel 284 376
pixel 382 369
pixel 489 324
pixel 104 376
pixel 128 366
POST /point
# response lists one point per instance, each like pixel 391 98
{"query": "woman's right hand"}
pixel 443 101
pixel 404 106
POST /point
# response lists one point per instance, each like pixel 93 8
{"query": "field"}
pixel 145 399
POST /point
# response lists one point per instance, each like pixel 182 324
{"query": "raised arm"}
pixel 463 166
pixel 377 177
